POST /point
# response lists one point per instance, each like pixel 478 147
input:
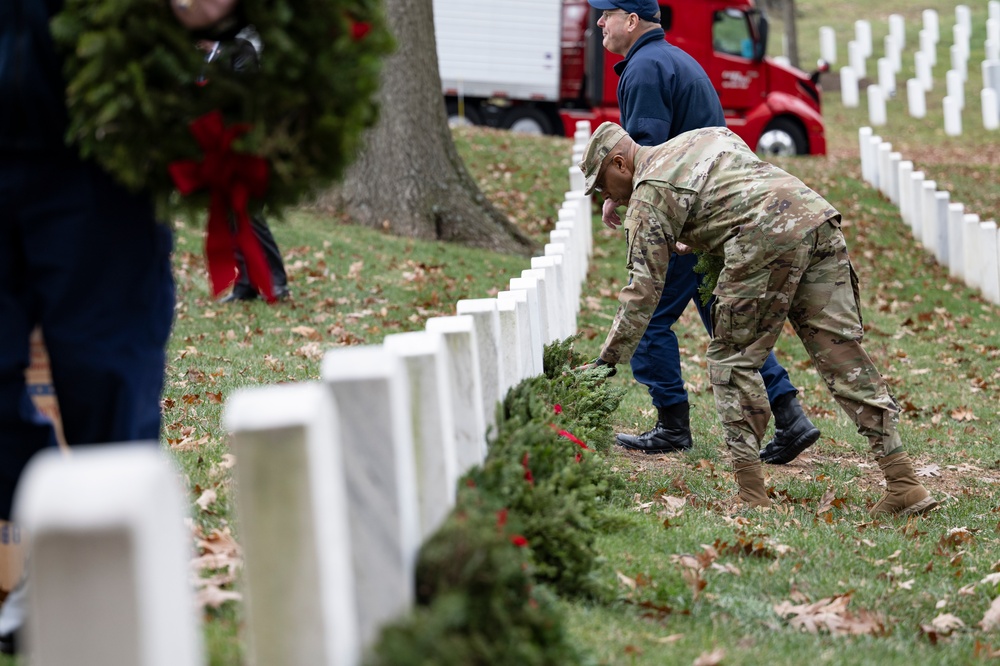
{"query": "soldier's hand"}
pixel 609 216
pixel 599 363
pixel 681 248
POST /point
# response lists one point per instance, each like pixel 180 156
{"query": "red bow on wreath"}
pixel 231 179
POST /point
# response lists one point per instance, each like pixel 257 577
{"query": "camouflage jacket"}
pixel 707 189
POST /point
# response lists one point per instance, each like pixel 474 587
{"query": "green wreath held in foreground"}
pixel 131 71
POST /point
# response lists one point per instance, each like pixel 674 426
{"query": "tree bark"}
pixel 791 32
pixel 409 179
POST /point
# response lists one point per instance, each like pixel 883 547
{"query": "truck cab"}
pixel 772 106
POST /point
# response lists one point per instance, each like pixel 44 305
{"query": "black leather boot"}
pixel 672 432
pixel 793 432
pixel 243 290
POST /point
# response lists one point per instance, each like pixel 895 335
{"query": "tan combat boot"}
pixel 750 477
pixel 904 495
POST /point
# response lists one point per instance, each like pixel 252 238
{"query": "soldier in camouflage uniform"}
pixel 785 258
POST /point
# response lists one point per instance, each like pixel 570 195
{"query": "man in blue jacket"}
pixel 664 92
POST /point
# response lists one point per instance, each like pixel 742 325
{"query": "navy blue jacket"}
pixel 32 97
pixel 664 92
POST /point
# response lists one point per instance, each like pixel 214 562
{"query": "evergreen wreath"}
pixel 132 76
pixel 709 265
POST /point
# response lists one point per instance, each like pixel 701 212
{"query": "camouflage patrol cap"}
pixel 601 144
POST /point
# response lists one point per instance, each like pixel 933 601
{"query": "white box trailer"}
pixel 499 48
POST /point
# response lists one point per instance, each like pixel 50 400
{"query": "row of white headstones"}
pixel 970 248
pixel 925 59
pixel 337 484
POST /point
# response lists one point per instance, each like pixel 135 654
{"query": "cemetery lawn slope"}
pixel 934 339
pixel 816 557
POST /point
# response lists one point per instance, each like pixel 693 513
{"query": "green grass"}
pixel 936 341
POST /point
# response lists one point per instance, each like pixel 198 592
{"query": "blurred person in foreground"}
pixel 82 257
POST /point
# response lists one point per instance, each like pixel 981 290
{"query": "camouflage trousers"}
pixel 815 287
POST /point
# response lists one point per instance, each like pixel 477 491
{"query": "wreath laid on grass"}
pixel 145 104
pixel 522 533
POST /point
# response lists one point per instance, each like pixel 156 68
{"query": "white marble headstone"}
pixel 554 296
pixel 528 354
pixel 109 579
pixel 371 394
pixel 486 320
pixel 569 223
pixel 577 263
pixel 828 45
pixel 546 297
pixel 849 95
pixel 536 317
pixel 466 387
pixel 989 261
pixel 928 226
pixel 916 205
pixel 897 28
pixel 970 251
pixel 882 160
pixel 903 178
pixel 939 239
pixel 511 349
pixel 956 222
pixel 916 101
pixel 893 177
pixel 864 136
pixel 863 36
pixel 584 207
pixel 874 142
pixel 558 303
pixel 291 495
pixel 432 421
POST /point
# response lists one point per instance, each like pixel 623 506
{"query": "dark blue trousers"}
pixel 657 361
pixel 86 260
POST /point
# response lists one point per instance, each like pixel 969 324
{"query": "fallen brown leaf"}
pixel 991 620
pixel 713 658
pixel 211 596
pixel 626 581
pixel 946 623
pixel 206 499
pixel 831 614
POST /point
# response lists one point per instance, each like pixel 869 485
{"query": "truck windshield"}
pixel 731 33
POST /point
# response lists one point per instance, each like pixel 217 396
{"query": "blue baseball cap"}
pixel 647 10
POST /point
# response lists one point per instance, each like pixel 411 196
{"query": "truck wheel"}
pixel 782 137
pixel 526 120
pixel 471 117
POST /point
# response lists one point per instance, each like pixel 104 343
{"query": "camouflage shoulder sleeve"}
pixel 650 242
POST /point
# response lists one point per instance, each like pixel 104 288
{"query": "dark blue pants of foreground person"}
pixel 86 260
pixel 657 362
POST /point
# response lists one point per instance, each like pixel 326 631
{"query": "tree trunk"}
pixel 409 178
pixel 791 32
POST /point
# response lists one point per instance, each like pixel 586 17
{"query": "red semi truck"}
pixel 539 66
